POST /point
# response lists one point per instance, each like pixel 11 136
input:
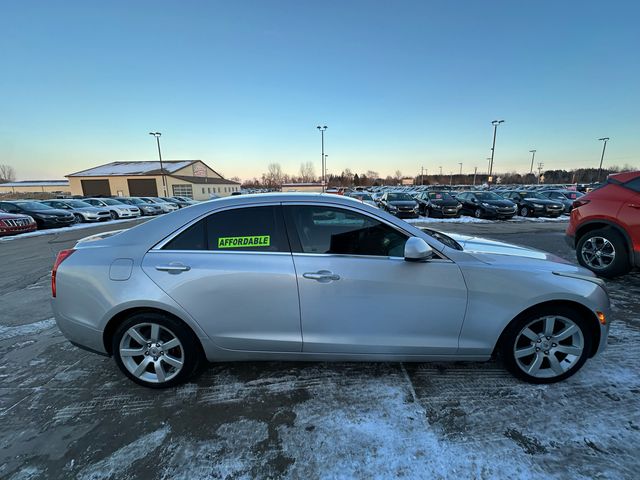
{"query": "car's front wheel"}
pixel 524 212
pixel 156 350
pixel 604 252
pixel 547 345
pixel 114 215
pixel 477 213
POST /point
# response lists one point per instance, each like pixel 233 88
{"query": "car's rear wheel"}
pixel 604 252
pixel 156 350
pixel 547 345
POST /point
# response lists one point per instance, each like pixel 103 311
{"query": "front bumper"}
pixel 4 231
pixel 406 214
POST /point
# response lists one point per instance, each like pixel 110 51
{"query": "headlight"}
pixel 537 205
pixel 415 209
pixel 392 207
pixel 44 215
pixel 488 205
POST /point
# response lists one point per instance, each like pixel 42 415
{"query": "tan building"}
pixel 185 178
pixel 302 187
pixel 36 186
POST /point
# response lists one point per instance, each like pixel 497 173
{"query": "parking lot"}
pixel 66 413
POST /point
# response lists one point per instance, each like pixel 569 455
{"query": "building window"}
pixel 182 190
pixel 209 189
pixel 202 189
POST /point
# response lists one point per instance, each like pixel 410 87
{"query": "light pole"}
pixel 604 146
pixel 441 171
pixel 475 172
pixel 495 124
pixel 322 129
pixel 325 165
pixel 164 182
pixel 460 163
pixel 540 167
pixel 533 156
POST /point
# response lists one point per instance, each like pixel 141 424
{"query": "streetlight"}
pixel 475 172
pixel 460 163
pixel 495 124
pixel 322 129
pixel 440 170
pixel 604 146
pixel 164 182
pixel 533 155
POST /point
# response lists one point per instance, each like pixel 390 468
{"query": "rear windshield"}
pixel 78 203
pixel 110 201
pixel 440 196
pixel 488 196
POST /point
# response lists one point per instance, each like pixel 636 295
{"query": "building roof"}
pixel 205 180
pixel 134 168
pixel 36 183
pixel 302 184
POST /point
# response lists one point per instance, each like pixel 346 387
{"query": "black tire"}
pixel 114 215
pixel 192 351
pixel 621 263
pixel 426 211
pixel 511 333
pixel 525 212
pixel 77 218
pixel 477 213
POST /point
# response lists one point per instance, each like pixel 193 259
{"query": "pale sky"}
pixel 239 85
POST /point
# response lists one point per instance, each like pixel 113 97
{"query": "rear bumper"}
pixel 80 335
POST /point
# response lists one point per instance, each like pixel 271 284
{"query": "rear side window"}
pixel 252 229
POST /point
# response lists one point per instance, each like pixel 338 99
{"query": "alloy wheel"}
pixel 478 213
pixel 598 253
pixel 548 347
pixel 151 352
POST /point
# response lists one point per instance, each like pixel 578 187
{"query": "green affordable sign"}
pixel 239 242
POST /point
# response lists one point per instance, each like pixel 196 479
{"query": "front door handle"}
pixel 634 205
pixel 174 268
pixel 322 276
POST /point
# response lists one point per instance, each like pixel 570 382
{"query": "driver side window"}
pixel 331 230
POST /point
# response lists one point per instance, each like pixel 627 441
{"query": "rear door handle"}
pixel 174 268
pixel 322 276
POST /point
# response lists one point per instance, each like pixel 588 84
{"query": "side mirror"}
pixel 417 250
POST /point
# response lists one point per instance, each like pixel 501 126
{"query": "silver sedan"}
pixel 320 277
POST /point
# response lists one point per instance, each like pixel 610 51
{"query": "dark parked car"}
pixel 44 215
pixel 605 226
pixel 399 204
pixel 438 204
pixel 486 204
pixel 145 207
pixel 11 224
pixel 534 204
pixel 566 197
pixel 83 211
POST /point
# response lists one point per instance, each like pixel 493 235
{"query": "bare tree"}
pixel 7 173
pixel 307 172
pixel 273 177
pixel 372 175
pixel 398 176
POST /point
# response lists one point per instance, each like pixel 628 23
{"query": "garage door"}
pixel 146 187
pixel 95 188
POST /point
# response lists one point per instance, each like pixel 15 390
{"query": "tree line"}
pixel 274 177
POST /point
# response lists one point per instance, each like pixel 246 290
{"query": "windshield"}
pixel 362 196
pixel 399 197
pixel 34 206
pixel 78 203
pixel 135 201
pixel 110 201
pixel 532 195
pixel 440 196
pixel 484 196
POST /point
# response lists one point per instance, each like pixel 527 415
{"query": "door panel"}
pixel 380 305
pixel 242 300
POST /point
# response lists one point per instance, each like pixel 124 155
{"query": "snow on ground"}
pixel 485 220
pixel 77 226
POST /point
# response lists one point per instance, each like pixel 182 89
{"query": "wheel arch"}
pixel 582 310
pixel 112 325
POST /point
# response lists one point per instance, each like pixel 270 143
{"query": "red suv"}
pixel 12 224
pixel 605 226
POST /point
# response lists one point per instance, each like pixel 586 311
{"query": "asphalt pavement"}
pixel 66 413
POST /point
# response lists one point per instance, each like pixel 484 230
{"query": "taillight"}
pixel 580 202
pixel 62 256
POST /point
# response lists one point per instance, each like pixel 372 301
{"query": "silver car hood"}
pixel 480 245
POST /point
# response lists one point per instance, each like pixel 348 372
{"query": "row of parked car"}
pixel 21 216
pixel 500 204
